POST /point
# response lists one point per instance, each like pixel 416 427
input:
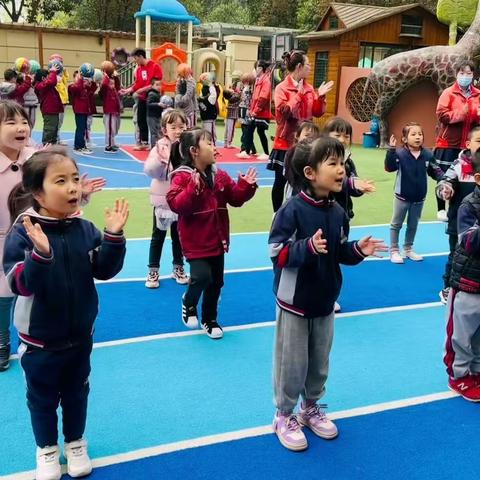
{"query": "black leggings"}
pixel 261 127
pixel 278 188
pixel 156 245
pixel 142 120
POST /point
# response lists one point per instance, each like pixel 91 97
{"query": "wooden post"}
pixel 148 35
pixel 190 43
pixel 40 46
pixel 178 36
pixel 108 53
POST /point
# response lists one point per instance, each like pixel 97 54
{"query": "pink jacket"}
pixel 158 167
pixel 8 179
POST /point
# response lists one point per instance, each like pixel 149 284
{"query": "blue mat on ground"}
pixel 431 441
pixel 151 393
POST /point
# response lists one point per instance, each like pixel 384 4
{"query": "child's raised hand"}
pixel 364 186
pixel 91 185
pixel 116 219
pixel 251 176
pixel 393 141
pixel 371 246
pixel 37 236
pixel 319 243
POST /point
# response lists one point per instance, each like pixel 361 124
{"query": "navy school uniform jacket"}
pixel 411 181
pixel 57 301
pixel 307 283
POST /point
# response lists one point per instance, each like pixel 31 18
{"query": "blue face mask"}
pixel 464 81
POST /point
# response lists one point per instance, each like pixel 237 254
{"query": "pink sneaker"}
pixel 289 432
pixel 313 416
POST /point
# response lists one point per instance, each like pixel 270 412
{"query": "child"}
pixel 92 111
pixel 50 103
pixel 413 163
pixel 455 185
pixel 207 103
pixel 30 103
pixel 14 135
pixel 185 96
pixel 109 92
pixel 199 193
pixel 14 87
pixel 247 147
pixel 306 132
pixel 233 99
pixel 81 91
pixel 308 242
pixel 62 89
pixel 154 110
pixel 462 348
pixel 51 260
pixel 159 165
pixel 353 186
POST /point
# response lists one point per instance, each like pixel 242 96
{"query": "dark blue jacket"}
pixel 411 181
pixel 57 301
pixel 308 283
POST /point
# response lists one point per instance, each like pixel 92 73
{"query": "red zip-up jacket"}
pixel 454 123
pixel 21 89
pixel 144 75
pixel 50 101
pixel 262 96
pixel 81 93
pixel 203 223
pixel 292 108
pixel 110 96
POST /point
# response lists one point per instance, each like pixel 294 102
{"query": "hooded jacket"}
pixel 57 301
pixel 50 102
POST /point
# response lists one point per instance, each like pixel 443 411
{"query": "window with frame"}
pixel 372 53
pixel 333 22
pixel 412 26
pixel 320 73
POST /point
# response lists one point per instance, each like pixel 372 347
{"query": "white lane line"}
pixel 251 326
pixel 111 169
pixel 244 434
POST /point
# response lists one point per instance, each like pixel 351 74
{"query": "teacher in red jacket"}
pixel 295 101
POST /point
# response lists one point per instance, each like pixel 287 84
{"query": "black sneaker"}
pixel 213 329
pixel 115 148
pixel 189 315
pixel 109 150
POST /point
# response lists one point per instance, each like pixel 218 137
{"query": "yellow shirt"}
pixel 62 87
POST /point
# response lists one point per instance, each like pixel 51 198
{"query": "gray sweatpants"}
pixel 400 210
pixel 209 126
pixel 462 347
pixel 111 122
pixel 300 362
pixel 154 129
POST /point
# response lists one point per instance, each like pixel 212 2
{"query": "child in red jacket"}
pixel 109 93
pixel 199 194
pixel 50 104
pixel 81 91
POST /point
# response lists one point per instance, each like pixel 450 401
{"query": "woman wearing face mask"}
pixel 458 111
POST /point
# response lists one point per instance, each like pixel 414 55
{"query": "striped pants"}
pixel 209 126
pixel 111 121
pixel 229 131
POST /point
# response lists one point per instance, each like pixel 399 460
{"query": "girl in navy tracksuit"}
pixel 412 163
pixel 51 259
pixel 308 241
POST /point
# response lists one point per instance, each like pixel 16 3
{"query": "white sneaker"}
pixel 395 257
pixel 337 308
pixel 442 216
pixel 153 280
pixel 412 255
pixel 213 329
pixel 263 157
pixel 48 463
pixel 243 154
pixel 78 461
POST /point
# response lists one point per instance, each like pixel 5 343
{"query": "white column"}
pixel 148 35
pixel 178 37
pixel 137 32
pixel 190 43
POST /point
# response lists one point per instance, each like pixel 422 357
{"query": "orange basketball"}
pixel 108 67
pixel 184 70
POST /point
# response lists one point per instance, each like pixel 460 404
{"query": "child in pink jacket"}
pixel 159 164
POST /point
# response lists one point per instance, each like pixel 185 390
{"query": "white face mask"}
pixel 464 80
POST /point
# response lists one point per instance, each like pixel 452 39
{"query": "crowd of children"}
pixel 43 237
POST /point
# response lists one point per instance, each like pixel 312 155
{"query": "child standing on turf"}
pixel 462 349
pixel 14 152
pixel 353 186
pixel 199 193
pixel 110 95
pixel 51 259
pixel 159 165
pixel 455 185
pixel 308 242
pixel 413 163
